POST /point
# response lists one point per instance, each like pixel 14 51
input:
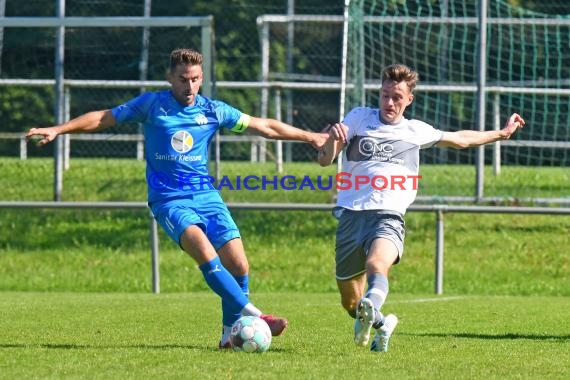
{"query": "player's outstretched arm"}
pixel 468 138
pixel 337 137
pixel 89 122
pixel 277 130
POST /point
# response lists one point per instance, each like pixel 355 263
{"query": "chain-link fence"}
pixel 106 64
pixel 280 60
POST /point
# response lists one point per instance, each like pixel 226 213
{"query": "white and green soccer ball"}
pixel 250 334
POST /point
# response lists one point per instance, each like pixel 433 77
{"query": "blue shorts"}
pixel 205 210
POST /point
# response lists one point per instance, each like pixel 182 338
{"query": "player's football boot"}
pixel 383 334
pixel 365 315
pixel 276 324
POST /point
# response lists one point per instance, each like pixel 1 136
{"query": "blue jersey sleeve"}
pixel 231 118
pixel 135 110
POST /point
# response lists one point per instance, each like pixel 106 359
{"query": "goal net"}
pixel 527 71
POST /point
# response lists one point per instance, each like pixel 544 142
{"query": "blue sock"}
pixel 229 316
pixel 223 284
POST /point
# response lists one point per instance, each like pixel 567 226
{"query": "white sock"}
pixel 249 309
pixel 226 330
pixel 377 293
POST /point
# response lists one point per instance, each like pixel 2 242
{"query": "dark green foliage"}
pixel 22 107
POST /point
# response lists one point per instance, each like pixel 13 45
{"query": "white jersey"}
pixel 381 161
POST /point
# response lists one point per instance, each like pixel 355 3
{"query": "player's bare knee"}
pixel 240 268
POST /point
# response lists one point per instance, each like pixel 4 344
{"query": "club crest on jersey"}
pixel 201 119
pixel 182 141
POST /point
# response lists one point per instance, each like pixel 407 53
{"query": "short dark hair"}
pixel 401 73
pixel 185 57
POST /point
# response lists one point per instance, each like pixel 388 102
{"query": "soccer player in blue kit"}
pixel 179 124
pixel 382 148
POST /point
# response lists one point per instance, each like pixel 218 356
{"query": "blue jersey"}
pixel 177 139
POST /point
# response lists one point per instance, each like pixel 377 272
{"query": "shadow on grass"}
pixel 63 346
pixel 508 336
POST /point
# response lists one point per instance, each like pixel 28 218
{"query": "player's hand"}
pixel 338 131
pixel 47 135
pixel 336 136
pixel 514 123
pixel 319 140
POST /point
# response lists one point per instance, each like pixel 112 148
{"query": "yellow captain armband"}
pixel 241 124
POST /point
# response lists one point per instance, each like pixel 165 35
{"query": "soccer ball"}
pixel 250 334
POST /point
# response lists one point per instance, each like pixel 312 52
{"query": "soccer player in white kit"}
pixel 377 184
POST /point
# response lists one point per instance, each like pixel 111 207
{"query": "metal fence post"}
pixel 278 143
pixel 496 127
pixel 439 252
pixel 154 254
pixel 60 102
pixel 481 97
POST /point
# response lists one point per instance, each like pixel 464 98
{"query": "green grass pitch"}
pixel 174 336
pixel 76 301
